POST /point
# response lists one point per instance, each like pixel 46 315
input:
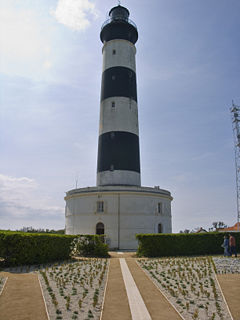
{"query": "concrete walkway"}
pixel 230 285
pixel 116 301
pixel 116 305
pixel 137 305
pixel 21 298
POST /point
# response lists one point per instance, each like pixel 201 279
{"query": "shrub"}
pixel 89 246
pixel 160 245
pixel 18 248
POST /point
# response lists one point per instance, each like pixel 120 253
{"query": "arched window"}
pixel 100 228
pixel 159 228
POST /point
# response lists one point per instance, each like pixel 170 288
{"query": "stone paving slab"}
pixel 136 303
pixel 21 298
pixel 230 284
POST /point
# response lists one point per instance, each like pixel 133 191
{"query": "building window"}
pixel 113 104
pixel 100 206
pixel 160 207
pixel 114 51
pixel 159 228
pixel 113 77
pixel 100 228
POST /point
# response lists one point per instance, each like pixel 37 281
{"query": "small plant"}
pixel 195 315
pixel 80 303
pixel 68 303
pixel 90 315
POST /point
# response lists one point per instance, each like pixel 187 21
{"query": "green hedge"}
pixel 18 248
pixel 90 246
pixel 160 245
pixel 24 248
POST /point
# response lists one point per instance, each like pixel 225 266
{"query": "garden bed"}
pixel 2 283
pixel 190 285
pixel 226 265
pixel 75 290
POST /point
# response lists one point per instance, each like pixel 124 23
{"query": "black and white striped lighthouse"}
pixel 118 145
pixel 118 206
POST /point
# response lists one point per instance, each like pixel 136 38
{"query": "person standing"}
pixel 232 245
pixel 225 245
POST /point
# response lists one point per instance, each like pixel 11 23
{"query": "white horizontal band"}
pixel 118 177
pixel 119 53
pixel 118 114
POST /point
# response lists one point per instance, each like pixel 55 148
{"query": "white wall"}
pixel 126 213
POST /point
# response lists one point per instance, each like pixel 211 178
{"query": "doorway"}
pixel 100 228
pixel 159 228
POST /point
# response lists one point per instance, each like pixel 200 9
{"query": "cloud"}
pixel 22 198
pixel 75 14
pixel 25 41
pixel 10 184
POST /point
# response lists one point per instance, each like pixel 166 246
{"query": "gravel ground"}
pixel 190 284
pixel 227 265
pixel 75 290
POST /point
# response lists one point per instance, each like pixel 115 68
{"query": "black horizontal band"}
pixel 119 82
pixel 118 150
pixel 119 30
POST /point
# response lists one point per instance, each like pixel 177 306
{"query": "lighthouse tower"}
pixel 118 206
pixel 118 146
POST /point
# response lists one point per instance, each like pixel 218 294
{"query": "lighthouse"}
pixel 118 206
pixel 118 146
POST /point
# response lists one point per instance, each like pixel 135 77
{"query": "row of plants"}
pixel 75 290
pixel 20 248
pixel 163 245
pixel 190 284
pixel 224 265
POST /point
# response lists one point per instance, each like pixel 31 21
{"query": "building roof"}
pixel 234 228
pixel 201 230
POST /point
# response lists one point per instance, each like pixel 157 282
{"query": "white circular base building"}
pixel 119 212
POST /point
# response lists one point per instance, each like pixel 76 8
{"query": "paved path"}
pixel 116 304
pixel 230 284
pixel 137 305
pixel 21 298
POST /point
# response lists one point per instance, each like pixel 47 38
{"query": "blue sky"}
pixel 188 72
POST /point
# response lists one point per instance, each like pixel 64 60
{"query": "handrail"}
pixel 118 20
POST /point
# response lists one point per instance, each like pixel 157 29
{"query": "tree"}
pixel 217 225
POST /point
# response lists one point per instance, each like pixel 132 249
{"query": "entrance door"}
pixel 159 228
pixel 100 228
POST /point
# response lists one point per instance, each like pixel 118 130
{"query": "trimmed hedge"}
pixel 18 248
pixel 90 246
pixel 183 244
pixel 24 248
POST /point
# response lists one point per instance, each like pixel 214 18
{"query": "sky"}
pixel 188 73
